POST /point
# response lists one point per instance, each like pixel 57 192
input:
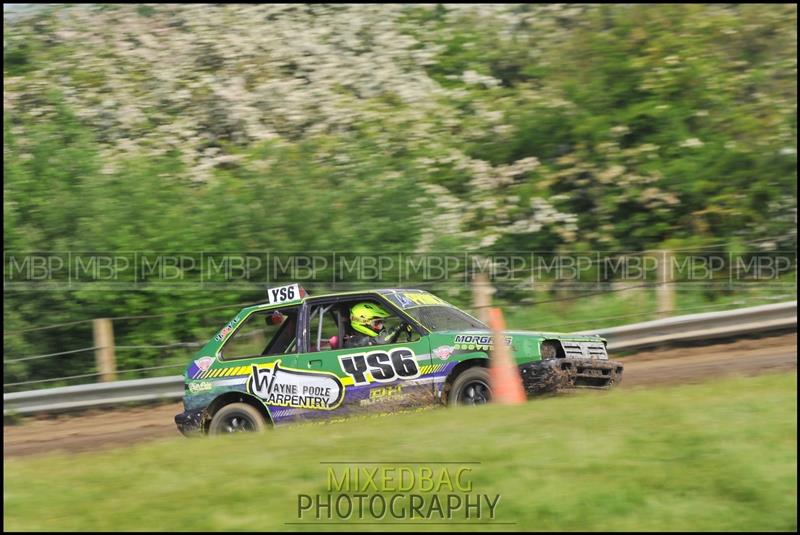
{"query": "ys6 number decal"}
pixel 284 293
pixel 382 365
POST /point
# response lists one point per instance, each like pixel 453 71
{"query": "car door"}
pixel 378 378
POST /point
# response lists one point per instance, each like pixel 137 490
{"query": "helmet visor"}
pixel 376 324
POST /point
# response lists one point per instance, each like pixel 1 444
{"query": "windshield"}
pixel 444 318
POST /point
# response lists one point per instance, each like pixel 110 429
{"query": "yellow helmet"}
pixel 365 316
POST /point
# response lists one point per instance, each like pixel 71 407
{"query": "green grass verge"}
pixel 715 456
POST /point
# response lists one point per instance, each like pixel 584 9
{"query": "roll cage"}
pixel 303 324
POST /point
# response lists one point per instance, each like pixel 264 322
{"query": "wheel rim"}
pixel 237 423
pixel 475 393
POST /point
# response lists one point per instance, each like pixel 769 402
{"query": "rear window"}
pixel 263 333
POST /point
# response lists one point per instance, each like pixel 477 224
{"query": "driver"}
pixel 367 319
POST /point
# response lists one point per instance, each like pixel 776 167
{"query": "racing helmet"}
pixel 364 318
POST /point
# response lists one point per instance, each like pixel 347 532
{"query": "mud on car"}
pixel 287 359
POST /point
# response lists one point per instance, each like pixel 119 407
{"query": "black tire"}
pixel 471 387
pixel 236 418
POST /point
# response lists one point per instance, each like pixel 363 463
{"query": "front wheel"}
pixel 471 387
pixel 236 418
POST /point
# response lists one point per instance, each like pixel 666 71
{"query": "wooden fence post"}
pixel 666 290
pixel 482 296
pixel 104 354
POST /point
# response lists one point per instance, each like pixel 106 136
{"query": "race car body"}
pixel 297 357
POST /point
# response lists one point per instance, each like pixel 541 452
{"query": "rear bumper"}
pixel 561 373
pixel 190 423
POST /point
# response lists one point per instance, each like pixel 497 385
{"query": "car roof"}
pixel 381 291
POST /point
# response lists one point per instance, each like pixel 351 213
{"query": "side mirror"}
pixel 276 318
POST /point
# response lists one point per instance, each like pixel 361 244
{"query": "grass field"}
pixel 714 456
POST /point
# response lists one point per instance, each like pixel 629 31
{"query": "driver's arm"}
pixel 394 334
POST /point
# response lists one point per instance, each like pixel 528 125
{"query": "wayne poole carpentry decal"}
pixel 302 389
pixel 384 367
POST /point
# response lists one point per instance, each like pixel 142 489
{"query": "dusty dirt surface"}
pixel 90 430
pixel 699 363
pixel 105 429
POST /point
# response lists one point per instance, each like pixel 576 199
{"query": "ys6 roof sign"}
pixel 283 294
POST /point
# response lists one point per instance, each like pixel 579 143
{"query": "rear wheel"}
pixel 236 418
pixel 471 387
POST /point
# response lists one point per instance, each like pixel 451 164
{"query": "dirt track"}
pixel 99 430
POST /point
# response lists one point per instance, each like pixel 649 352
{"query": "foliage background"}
pixel 379 128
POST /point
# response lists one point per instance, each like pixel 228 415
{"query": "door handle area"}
pixel 315 364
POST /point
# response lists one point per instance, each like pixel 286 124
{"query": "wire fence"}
pixel 60 353
pixel 167 346
pixel 82 376
pixel 612 319
pixel 170 345
pixel 120 318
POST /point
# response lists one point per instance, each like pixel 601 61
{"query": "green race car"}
pixel 297 357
